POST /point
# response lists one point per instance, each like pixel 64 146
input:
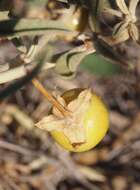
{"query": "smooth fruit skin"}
pixel 96 122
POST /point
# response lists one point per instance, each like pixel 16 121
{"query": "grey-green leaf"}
pixel 67 63
pixel 21 27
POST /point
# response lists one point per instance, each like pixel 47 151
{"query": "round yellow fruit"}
pixel 95 121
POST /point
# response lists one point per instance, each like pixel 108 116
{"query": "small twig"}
pixel 50 98
pixel 14 148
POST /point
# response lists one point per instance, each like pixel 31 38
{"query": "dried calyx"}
pixel 72 124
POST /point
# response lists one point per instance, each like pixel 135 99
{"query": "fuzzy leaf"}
pixel 21 27
pixel 68 62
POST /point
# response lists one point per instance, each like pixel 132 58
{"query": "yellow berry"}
pixel 95 122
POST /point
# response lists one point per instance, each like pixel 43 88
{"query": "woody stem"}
pixel 50 98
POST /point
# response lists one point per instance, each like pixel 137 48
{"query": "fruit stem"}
pixel 50 98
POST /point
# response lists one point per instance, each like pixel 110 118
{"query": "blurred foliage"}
pixel 65 32
pixel 98 65
pixel 71 30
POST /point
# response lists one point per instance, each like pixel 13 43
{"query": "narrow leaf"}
pixel 20 27
pixel 122 6
pixel 68 62
pixel 132 6
pixel 134 32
